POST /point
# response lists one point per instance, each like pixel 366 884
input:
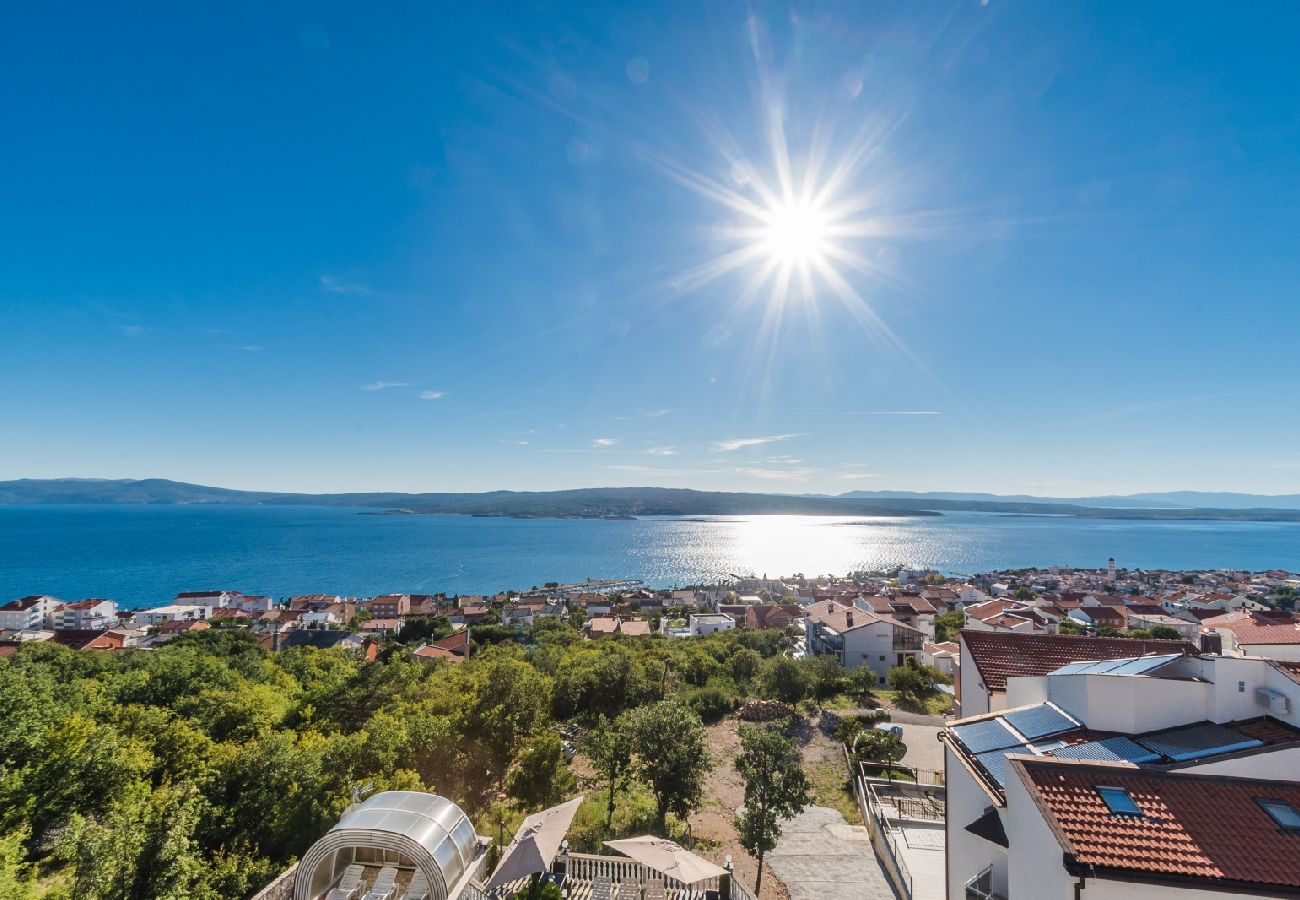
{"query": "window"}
pixel 882 657
pixel 1120 801
pixel 1282 813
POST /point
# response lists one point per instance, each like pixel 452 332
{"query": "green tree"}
pixel 1165 633
pixel 540 777
pixel 744 664
pixel 914 682
pixel 776 788
pixel 948 626
pixel 671 756
pixel 609 746
pixel 785 680
pixel 505 701
pixel 17 879
pixel 876 745
pixel 424 628
pixel 825 676
pixel 102 854
pixel 863 681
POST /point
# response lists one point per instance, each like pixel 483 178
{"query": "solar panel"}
pixel 1143 665
pixel 1040 721
pixel 1048 746
pixel 990 734
pixel 995 762
pixel 1133 665
pixel 1198 740
pixel 1111 749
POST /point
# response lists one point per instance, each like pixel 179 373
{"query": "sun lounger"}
pixel 602 889
pixel 654 889
pixel 349 886
pixel 385 885
pixel 418 889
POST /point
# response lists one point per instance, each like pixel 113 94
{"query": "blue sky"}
pixel 424 246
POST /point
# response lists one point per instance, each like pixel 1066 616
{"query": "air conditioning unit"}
pixel 1278 703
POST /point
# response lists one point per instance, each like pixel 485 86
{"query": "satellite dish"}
pixel 896 730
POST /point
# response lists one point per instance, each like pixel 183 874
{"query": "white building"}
pixel 860 638
pixel 944 656
pixel 160 615
pixel 28 613
pixel 87 615
pixel 214 599
pixel 989 659
pixel 1140 778
pixel 1270 635
pixel 708 623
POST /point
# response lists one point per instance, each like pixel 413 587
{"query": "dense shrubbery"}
pixel 200 769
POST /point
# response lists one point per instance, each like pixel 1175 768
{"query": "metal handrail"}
pixel 980 887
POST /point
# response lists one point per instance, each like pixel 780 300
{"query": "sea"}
pixel 143 555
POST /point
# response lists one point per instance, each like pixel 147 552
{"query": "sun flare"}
pixel 795 233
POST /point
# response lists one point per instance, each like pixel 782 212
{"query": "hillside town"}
pixel 1073 730
pixel 878 620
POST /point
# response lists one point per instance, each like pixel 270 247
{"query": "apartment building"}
pixel 861 638
pixel 28 613
pixel 85 615
pixel 1168 775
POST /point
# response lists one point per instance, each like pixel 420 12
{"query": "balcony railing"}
pixel 981 887
pixel 908 642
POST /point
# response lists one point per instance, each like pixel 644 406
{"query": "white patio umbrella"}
pixel 668 858
pixel 535 844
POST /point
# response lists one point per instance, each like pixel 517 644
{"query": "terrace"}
pixel 906 821
pixel 586 876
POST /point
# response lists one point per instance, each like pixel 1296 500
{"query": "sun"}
pixel 795 233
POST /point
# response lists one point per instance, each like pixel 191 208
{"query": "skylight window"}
pixel 1282 813
pixel 1120 801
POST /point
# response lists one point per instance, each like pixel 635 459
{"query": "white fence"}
pixel 587 866
pixel 884 838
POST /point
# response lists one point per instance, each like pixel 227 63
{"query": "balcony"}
pixel 981 887
pixel 908 641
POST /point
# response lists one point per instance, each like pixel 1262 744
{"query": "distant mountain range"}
pixel 582 503
pixel 647 501
pixel 1158 500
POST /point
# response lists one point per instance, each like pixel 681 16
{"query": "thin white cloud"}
pixel 657 413
pixel 891 412
pixel 737 443
pixel 604 442
pixel 252 348
pixel 333 285
pixel 432 395
pixel 662 451
pixel 855 475
pixel 385 385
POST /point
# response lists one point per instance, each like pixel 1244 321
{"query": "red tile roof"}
pixel 22 604
pixel 999 655
pixel 457 642
pixel 1289 669
pixel 847 618
pixel 1205 827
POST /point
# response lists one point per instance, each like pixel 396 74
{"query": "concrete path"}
pixel 924 749
pixel 820 856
